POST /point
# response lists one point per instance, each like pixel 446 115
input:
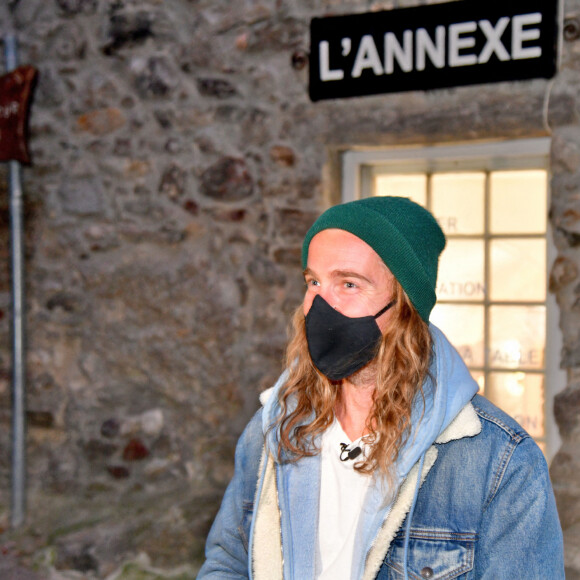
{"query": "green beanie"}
pixel 404 234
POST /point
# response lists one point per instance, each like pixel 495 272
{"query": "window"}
pixel 491 201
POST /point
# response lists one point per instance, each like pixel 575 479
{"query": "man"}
pixel 373 456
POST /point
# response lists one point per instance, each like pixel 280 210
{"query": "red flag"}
pixel 15 93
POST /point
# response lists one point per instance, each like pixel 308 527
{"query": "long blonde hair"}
pixel 308 398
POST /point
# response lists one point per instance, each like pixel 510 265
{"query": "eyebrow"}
pixel 349 274
pixel 307 272
pixel 341 274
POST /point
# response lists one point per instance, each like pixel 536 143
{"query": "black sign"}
pixel 429 47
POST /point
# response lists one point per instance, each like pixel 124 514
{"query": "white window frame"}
pixel 491 156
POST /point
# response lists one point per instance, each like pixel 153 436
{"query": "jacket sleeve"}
pixel 520 535
pixel 226 548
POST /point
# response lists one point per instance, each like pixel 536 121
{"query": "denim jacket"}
pixel 473 500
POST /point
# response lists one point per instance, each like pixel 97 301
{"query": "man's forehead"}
pixel 347 252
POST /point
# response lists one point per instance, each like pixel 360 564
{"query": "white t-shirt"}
pixel 342 493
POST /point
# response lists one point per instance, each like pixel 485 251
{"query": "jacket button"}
pixel 427 572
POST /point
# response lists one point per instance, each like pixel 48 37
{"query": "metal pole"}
pixel 18 379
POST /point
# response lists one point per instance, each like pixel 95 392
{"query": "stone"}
pixel 173 182
pixel 570 220
pixel 74 7
pixel 44 382
pixel 82 560
pixel 572 238
pixel 152 422
pixel 82 196
pixel 230 114
pixel 101 239
pixel 242 41
pixel 199 54
pixel 219 88
pixel 564 271
pixel 11 570
pixel 234 215
pixel 566 154
pixel 157 468
pixel 110 428
pixel 122 147
pixel 567 226
pixel 149 423
pixel 294 223
pixel 127 27
pixel 102 121
pixel 173 145
pixel 571 553
pixel 69 44
pixel 561 109
pixel 50 87
pixel 227 180
pixel 154 76
pixel 567 410
pixel 137 168
pixel 280 34
pixel 191 207
pixel 243 290
pixel 257 126
pixel 96 450
pixel 164 118
pixel 42 419
pixel 571 353
pixel 568 502
pixel 140 568
pixel 67 301
pixel 118 471
pixel 265 272
pixel 135 450
pixel 98 91
pixel 288 256
pixel 139 207
pixel 283 155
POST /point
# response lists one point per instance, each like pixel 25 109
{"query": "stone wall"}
pixel 177 163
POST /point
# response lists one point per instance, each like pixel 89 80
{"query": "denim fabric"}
pixel 485 510
pixel 433 553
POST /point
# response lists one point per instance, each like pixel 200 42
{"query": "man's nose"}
pixel 330 296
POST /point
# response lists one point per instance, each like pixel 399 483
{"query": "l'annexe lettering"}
pixel 451 47
pixel 427 47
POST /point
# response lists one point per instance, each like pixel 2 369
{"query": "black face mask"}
pixel 339 345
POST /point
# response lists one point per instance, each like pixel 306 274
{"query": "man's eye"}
pixel 350 285
pixel 312 283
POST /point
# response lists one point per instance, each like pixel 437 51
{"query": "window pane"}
pixel 517 336
pixel 457 202
pixel 521 395
pixel 492 287
pixel 518 270
pixel 518 202
pixel 461 271
pixel 463 326
pixel 413 186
